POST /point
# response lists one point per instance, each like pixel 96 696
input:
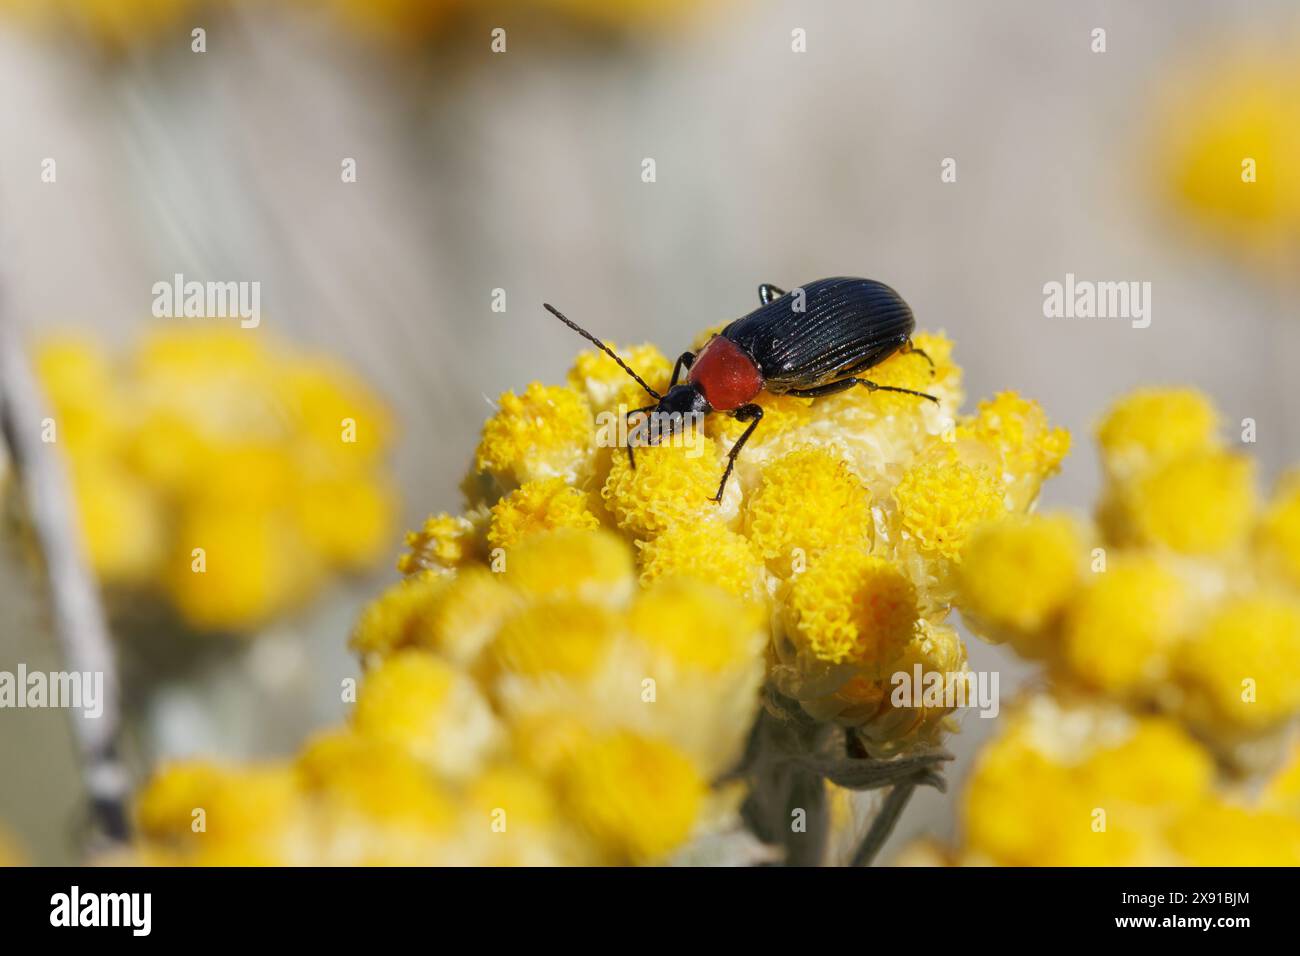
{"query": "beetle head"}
pixel 682 403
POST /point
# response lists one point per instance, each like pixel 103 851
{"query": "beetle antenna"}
pixel 602 346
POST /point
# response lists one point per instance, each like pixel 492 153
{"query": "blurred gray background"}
pixel 523 171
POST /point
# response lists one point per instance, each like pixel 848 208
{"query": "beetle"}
pixel 813 341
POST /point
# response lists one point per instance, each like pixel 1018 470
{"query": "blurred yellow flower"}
pixel 1227 141
pixel 231 475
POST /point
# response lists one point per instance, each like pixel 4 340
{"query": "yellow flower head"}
pixel 1156 765
pixel 1121 626
pixel 444 541
pixel 423 704
pixel 1203 504
pixel 395 618
pixel 1017 572
pixel 1065 785
pixel 1030 449
pixel 706 551
pixel 234 568
pixel 1229 132
pixel 806 502
pixel 538 506
pixel 593 565
pixel 941 500
pixel 638 798
pixel 193 801
pixel 346 518
pixel 546 432
pixel 887 729
pixel 851 606
pixel 1151 426
pixel 696 626
pixel 561 637
pixel 374 778
pixel 1242 668
pixel 597 376
pixel 672 483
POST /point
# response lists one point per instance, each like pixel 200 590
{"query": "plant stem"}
pixel 883 824
pixel 79 622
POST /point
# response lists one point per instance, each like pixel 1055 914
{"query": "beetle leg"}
pixel 847 383
pixel 631 459
pixel 768 292
pixel 685 360
pixel 745 413
pixel 909 348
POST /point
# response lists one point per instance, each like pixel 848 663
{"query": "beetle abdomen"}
pixel 847 325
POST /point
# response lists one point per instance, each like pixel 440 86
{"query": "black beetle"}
pixel 811 342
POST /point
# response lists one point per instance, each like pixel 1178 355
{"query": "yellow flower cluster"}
pixel 1185 597
pixel 230 475
pixel 1171 630
pixel 570 666
pixel 1073 782
pixel 844 520
pixel 552 714
pixel 1227 142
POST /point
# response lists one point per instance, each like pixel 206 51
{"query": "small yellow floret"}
pixel 535 506
pixel 1243 667
pixel 638 798
pixel 852 606
pixel 593 565
pixel 938 650
pixel 1158 766
pixel 1154 425
pixel 1019 571
pixel 598 376
pixel 405 697
pixel 808 500
pixel 444 541
pixel 671 483
pixel 236 802
pixel 707 551
pixel 941 500
pixel 374 777
pixel 1018 429
pixel 547 432
pixel 1120 627
pixel 698 626
pixel 421 703
pixel 1203 504
pixel 561 637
